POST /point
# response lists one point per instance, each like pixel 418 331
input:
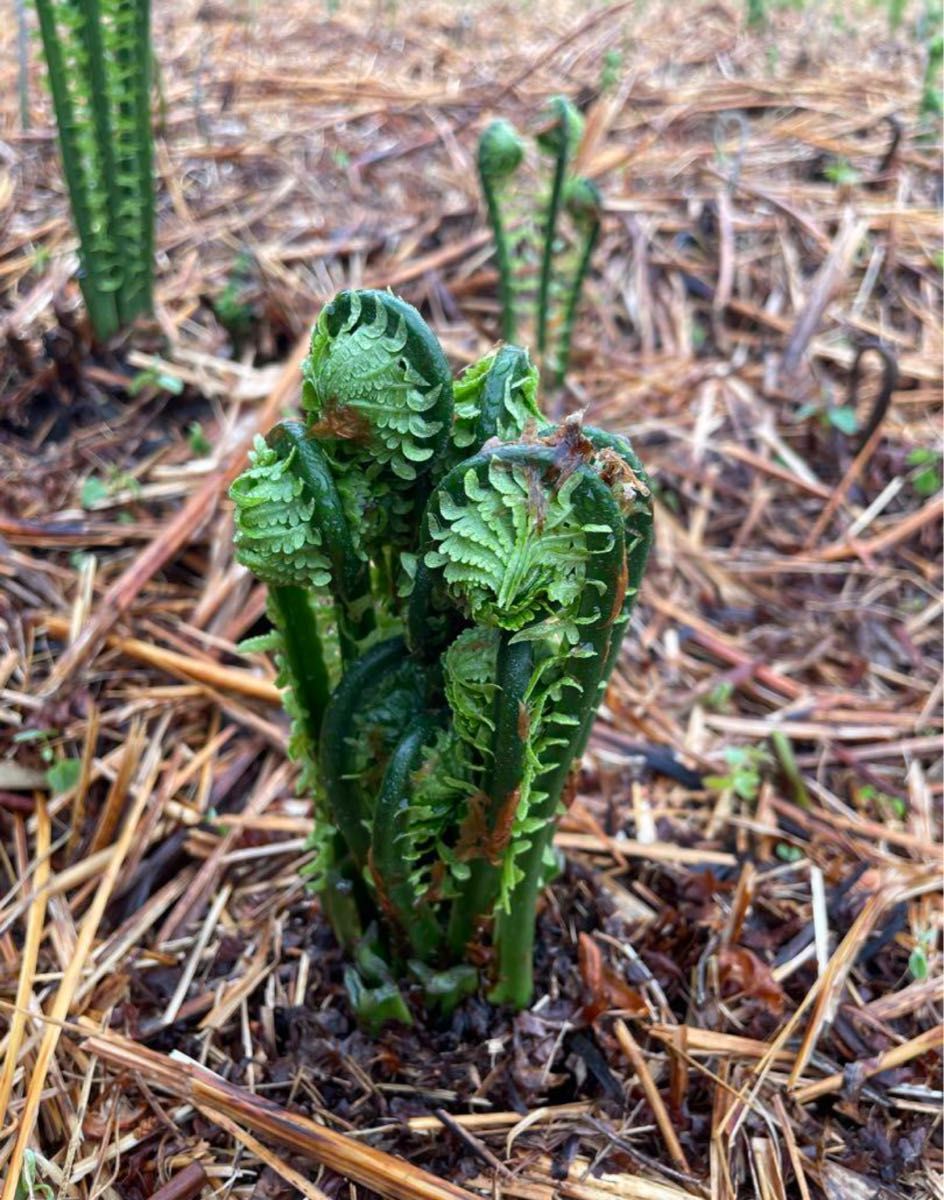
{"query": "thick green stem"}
pixel 99 105
pixel 97 288
pixel 502 785
pixel 131 74
pixel 303 654
pixel 413 917
pixel 514 930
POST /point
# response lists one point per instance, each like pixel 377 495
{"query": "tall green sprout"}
pixel 450 577
pixel 98 57
pixel 559 280
pixel 500 154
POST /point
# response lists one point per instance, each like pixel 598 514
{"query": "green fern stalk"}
pixel 439 722
pixel 561 140
pixel 499 156
pixel 563 262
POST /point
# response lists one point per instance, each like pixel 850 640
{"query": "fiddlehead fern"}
pixel 495 398
pixel 499 156
pixel 275 536
pixel 618 469
pixel 377 390
pixel 442 754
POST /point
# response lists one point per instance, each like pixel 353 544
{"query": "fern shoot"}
pixel 98 58
pixel 437 722
pixel 499 156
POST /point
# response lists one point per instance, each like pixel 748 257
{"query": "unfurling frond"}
pixel 500 150
pixel 377 387
pixel 495 398
pixel 275 536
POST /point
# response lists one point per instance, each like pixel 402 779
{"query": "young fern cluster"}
pixel 500 154
pixel 450 577
pixel 98 57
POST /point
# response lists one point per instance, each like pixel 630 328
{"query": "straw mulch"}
pixel 740 971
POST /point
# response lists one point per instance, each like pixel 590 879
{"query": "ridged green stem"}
pixel 388 866
pixel 98 56
pixel 501 785
pixel 99 297
pixel 303 654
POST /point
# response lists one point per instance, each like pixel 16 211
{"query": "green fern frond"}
pixel 376 390
pixel 275 537
pixel 519 547
pixel 511 552
pixel 378 396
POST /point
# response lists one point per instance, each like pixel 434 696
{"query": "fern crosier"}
pixel 365 395
pixel 495 398
pixel 275 537
pixel 377 393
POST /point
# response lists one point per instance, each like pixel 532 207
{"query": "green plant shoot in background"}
pixel 521 249
pixel 450 577
pixel 98 57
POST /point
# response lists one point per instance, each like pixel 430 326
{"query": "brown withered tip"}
pixel 342 422
pixel 616 470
